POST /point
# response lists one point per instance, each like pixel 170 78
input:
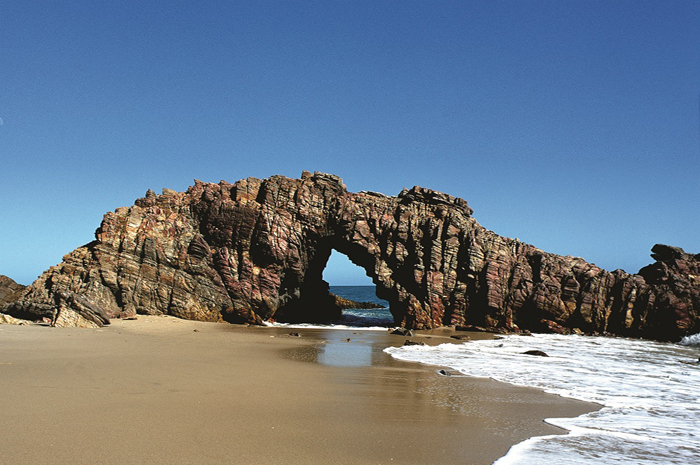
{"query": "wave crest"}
pixel 692 340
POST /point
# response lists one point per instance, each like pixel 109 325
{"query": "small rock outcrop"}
pixel 9 290
pixel 537 353
pixel 256 249
pixel 343 303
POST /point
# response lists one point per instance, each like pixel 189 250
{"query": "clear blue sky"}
pixel 572 125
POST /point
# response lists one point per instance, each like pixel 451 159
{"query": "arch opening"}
pixel 350 281
pixel 336 291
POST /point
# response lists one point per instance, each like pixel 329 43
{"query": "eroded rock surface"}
pixel 9 290
pixel 256 249
pixel 343 303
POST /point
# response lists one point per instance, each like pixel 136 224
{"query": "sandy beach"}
pixel 160 390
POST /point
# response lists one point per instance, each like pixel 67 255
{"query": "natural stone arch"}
pixel 284 230
pixel 315 303
pixel 249 251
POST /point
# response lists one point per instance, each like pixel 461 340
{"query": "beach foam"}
pixel 328 326
pixel 651 412
pixel 692 340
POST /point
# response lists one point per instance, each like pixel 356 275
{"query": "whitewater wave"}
pixel 651 405
pixel 692 340
pixel 328 326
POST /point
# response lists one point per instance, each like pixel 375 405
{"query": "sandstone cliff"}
pixel 256 249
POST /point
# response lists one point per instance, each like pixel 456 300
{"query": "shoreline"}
pixel 165 390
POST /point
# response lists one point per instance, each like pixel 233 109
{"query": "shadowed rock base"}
pixel 256 249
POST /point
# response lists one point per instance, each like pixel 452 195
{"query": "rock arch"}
pixel 256 249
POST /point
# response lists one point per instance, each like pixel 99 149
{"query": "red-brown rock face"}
pixel 9 290
pixel 256 249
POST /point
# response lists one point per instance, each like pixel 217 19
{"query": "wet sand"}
pixel 160 390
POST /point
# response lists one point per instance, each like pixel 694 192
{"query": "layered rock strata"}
pixel 255 250
pixel 9 290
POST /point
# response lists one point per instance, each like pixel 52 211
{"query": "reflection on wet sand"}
pixel 397 391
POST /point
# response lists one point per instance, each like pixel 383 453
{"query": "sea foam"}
pixel 648 390
pixel 693 340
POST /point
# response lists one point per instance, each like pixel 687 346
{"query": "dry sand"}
pixel 160 390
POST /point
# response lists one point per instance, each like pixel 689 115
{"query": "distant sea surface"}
pixel 370 317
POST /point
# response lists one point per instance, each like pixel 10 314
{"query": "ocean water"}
pixel 649 392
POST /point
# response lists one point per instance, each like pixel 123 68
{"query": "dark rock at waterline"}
pixel 256 249
pixel 445 373
pixel 409 342
pixel 538 353
pixel 402 332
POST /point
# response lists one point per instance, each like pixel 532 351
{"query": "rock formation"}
pixel 256 249
pixel 343 303
pixel 9 290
